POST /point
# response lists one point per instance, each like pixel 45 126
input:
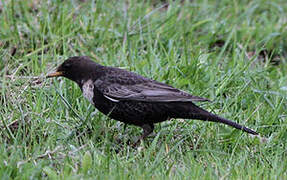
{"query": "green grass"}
pixel 232 52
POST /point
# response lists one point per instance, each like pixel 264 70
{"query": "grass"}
pixel 232 52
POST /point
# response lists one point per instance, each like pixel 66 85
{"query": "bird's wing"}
pixel 150 91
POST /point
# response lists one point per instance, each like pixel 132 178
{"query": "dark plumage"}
pixel 130 98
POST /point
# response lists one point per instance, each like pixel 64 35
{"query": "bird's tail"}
pixel 196 112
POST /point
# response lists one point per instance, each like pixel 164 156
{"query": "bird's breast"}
pixel 88 90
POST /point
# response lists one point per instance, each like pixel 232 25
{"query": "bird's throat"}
pixel 88 90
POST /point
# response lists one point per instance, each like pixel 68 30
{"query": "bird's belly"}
pixel 137 113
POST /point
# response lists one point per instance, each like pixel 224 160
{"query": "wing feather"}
pixel 150 91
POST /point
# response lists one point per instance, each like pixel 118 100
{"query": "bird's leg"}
pixel 147 130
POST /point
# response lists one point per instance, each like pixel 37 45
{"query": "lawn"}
pixel 231 52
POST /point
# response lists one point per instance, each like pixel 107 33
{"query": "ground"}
pixel 231 52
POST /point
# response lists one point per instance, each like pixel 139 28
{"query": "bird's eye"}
pixel 67 65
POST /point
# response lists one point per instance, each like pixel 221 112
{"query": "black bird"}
pixel 133 99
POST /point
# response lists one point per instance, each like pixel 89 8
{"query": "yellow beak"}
pixel 55 74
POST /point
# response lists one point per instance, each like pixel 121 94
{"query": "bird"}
pixel 133 99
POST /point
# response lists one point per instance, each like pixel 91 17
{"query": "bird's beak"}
pixel 55 74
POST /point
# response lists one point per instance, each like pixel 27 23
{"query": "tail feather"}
pixel 198 113
pixel 215 118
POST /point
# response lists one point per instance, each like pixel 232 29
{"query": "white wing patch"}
pixel 114 100
pixel 88 90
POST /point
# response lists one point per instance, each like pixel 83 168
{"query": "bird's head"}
pixel 76 68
